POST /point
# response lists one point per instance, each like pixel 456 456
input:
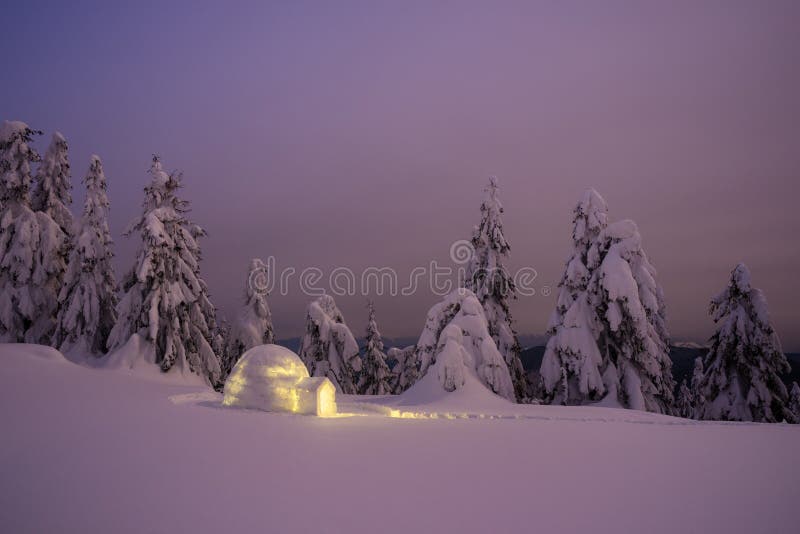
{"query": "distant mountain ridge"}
pixel 681 354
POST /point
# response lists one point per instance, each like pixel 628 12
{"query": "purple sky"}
pixel 361 133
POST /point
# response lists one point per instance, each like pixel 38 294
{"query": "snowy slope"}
pixel 95 450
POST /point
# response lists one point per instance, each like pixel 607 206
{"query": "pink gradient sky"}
pixel 361 133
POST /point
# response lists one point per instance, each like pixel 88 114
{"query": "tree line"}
pixel 608 336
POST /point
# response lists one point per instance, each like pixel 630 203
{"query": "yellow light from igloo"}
pixel 326 400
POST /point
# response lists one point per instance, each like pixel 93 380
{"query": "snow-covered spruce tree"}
pixel 221 341
pixel 32 251
pixel 629 306
pixel 165 301
pixel 253 325
pixel 398 356
pixel 488 279
pixel 375 378
pixel 590 217
pixel 88 298
pixel 328 347
pixel 685 403
pixel 697 379
pixel 52 195
pixel 573 327
pixel 456 348
pixel 741 380
pixel 794 401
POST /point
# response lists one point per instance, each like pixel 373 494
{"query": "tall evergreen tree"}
pixel 328 347
pixel 52 193
pixel 608 331
pixel 489 280
pixel 741 380
pixel 32 252
pixel 88 298
pixel 166 301
pixel 375 378
pixel 572 363
pixel 589 218
pixel 253 325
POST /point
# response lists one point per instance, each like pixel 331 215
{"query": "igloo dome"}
pixel 274 379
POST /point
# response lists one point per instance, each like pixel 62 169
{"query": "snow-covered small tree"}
pixel 52 193
pixel 743 366
pixel 697 379
pixel 253 325
pixel 221 340
pixel 794 401
pixel 572 349
pixel 456 347
pixel 88 298
pixel 375 378
pixel 166 301
pixel 685 403
pixel 32 251
pixel 489 280
pixel 629 304
pixel 398 357
pixel 328 347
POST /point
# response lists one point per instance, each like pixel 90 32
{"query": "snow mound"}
pixel 471 397
pixel 32 351
pixel 138 356
pixel 136 353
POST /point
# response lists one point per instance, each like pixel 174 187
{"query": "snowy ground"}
pixel 91 450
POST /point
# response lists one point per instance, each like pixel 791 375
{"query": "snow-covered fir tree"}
pixel 165 300
pixel 608 332
pixel 375 378
pixel 52 193
pixel 685 404
pixel 571 349
pixel 456 348
pixel 328 347
pixel 489 280
pixel 629 305
pixel 88 298
pixel 743 366
pixel 794 401
pixel 253 325
pixel 589 218
pixel 32 251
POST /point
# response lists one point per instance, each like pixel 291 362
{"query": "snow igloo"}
pixel 274 379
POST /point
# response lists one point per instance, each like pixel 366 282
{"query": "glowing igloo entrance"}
pixel 274 379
